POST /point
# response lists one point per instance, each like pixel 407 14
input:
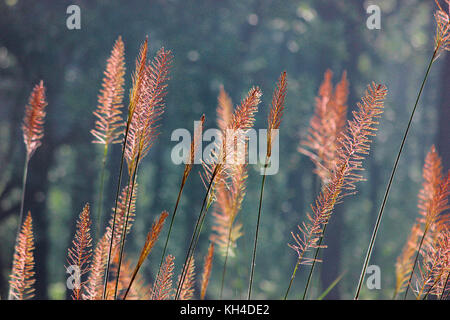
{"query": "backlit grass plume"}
pixel 79 255
pixel 433 202
pixel 33 122
pixel 326 126
pixel 354 146
pixel 241 121
pixel 207 267
pixel 162 289
pixel 273 125
pixel 187 288
pixel 110 124
pixel 22 275
pixel 149 108
pixel 435 267
pixel 33 132
pixel 442 37
pixel 229 197
pixel 322 143
pixel 143 128
pixel 100 256
pixel 137 79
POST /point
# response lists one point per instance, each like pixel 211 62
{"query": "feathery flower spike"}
pixel 162 289
pixel 326 126
pixel 80 254
pixel 442 37
pixel 109 124
pixel 22 275
pixel 354 145
pixel 187 289
pixel 33 121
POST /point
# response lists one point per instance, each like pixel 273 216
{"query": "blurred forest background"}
pixel 238 44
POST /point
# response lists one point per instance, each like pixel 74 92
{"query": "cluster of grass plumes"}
pixel 336 144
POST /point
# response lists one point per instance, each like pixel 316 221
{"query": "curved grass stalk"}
pixel 180 192
pixel 252 271
pixel 119 183
pixel 391 178
pixel 124 231
pixel 196 233
pixel 293 276
pixel 331 286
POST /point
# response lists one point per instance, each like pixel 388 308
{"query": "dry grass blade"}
pixel 109 124
pixel 80 253
pixel 207 267
pixel 22 275
pixel 150 241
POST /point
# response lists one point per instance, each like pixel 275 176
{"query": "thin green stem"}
pixel 124 231
pixel 252 269
pixel 119 183
pixel 388 188
pixel 183 181
pixel 100 197
pixel 198 225
pixel 314 261
pixel 292 277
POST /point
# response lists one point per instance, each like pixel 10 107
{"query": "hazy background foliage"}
pixel 237 44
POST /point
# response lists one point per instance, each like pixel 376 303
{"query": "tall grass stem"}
pixel 391 178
